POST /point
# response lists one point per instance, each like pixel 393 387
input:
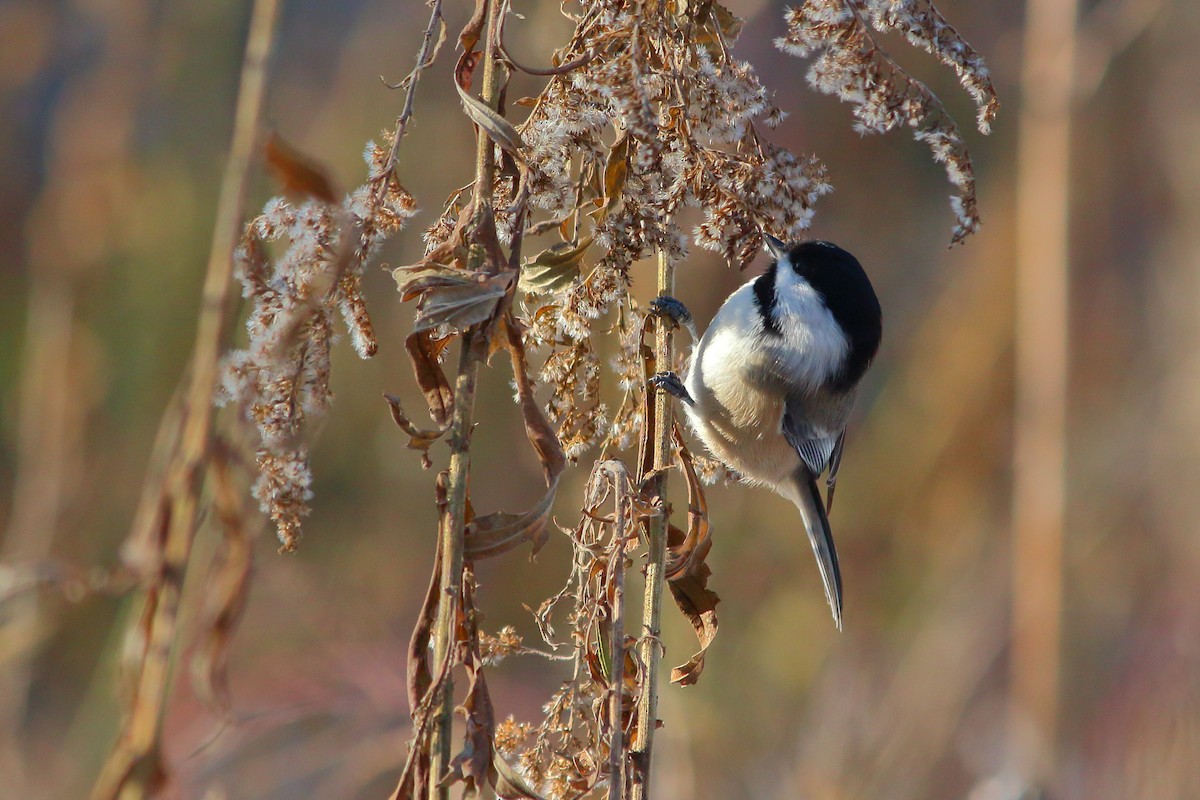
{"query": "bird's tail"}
pixel 807 498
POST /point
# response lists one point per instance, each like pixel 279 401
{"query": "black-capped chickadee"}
pixel 770 385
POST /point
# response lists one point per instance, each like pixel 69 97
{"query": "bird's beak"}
pixel 774 246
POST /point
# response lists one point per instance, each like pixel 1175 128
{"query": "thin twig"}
pixel 425 57
pixel 134 769
pixel 616 680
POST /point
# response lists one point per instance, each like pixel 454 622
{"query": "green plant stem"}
pixel 650 648
pixel 470 357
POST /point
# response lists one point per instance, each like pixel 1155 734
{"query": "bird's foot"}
pixel 672 309
pixel 670 383
pixel 675 312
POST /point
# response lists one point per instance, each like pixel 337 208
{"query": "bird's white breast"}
pixel 741 375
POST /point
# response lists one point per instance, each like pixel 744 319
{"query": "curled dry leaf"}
pixel 699 604
pixel 508 783
pixel 227 587
pixel 464 304
pixel 297 173
pixel 418 438
pixel 424 350
pixel 473 764
pixel 686 551
pixel 500 532
pixel 616 173
pixel 555 268
pixel 686 572
pixel 498 128
pixel 451 297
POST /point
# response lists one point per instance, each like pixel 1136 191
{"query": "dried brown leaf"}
pixel 501 531
pixel 537 428
pixel 418 438
pixel 616 172
pixel 686 551
pixel 498 128
pixel 463 304
pixel 298 174
pixel 699 604
pixel 473 764
pixel 473 30
pixel 554 268
pixel 420 676
pixel 418 279
pixel 508 783
pixel 424 349
pixel 226 590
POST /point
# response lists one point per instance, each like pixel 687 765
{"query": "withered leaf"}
pixel 501 531
pixel 686 551
pixel 498 128
pixel 687 574
pixel 537 428
pixel 473 30
pixel 296 172
pixel 462 305
pixel 616 169
pixel 228 585
pixel 473 764
pixel 699 604
pixel 423 350
pixel 416 280
pixel 508 783
pixel 418 438
pixel 420 677
pixel 554 268
pixel 719 18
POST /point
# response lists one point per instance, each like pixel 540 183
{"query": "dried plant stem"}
pixel 616 673
pixel 1042 320
pixel 471 355
pixel 650 649
pixel 133 770
pixel 429 47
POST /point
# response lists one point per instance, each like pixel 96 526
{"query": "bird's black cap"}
pixel 843 284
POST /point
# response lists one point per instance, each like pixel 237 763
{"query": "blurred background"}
pixel 114 121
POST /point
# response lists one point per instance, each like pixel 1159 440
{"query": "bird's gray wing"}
pixel 835 463
pixel 815 447
pixel 815 451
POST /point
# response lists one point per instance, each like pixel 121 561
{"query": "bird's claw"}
pixel 670 383
pixel 671 309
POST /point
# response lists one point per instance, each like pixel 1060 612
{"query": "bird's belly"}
pixel 745 434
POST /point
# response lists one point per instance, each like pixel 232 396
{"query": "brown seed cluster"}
pixel 850 64
pixel 280 379
pixel 655 116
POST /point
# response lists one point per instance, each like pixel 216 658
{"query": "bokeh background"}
pixel 114 120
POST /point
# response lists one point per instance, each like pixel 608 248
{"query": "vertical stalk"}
pixel 133 770
pixel 650 648
pixel 616 678
pixel 470 356
pixel 1042 319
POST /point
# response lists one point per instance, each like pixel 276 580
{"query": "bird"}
pixel 770 385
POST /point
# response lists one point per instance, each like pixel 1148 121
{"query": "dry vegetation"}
pixel 644 112
pixel 1020 559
